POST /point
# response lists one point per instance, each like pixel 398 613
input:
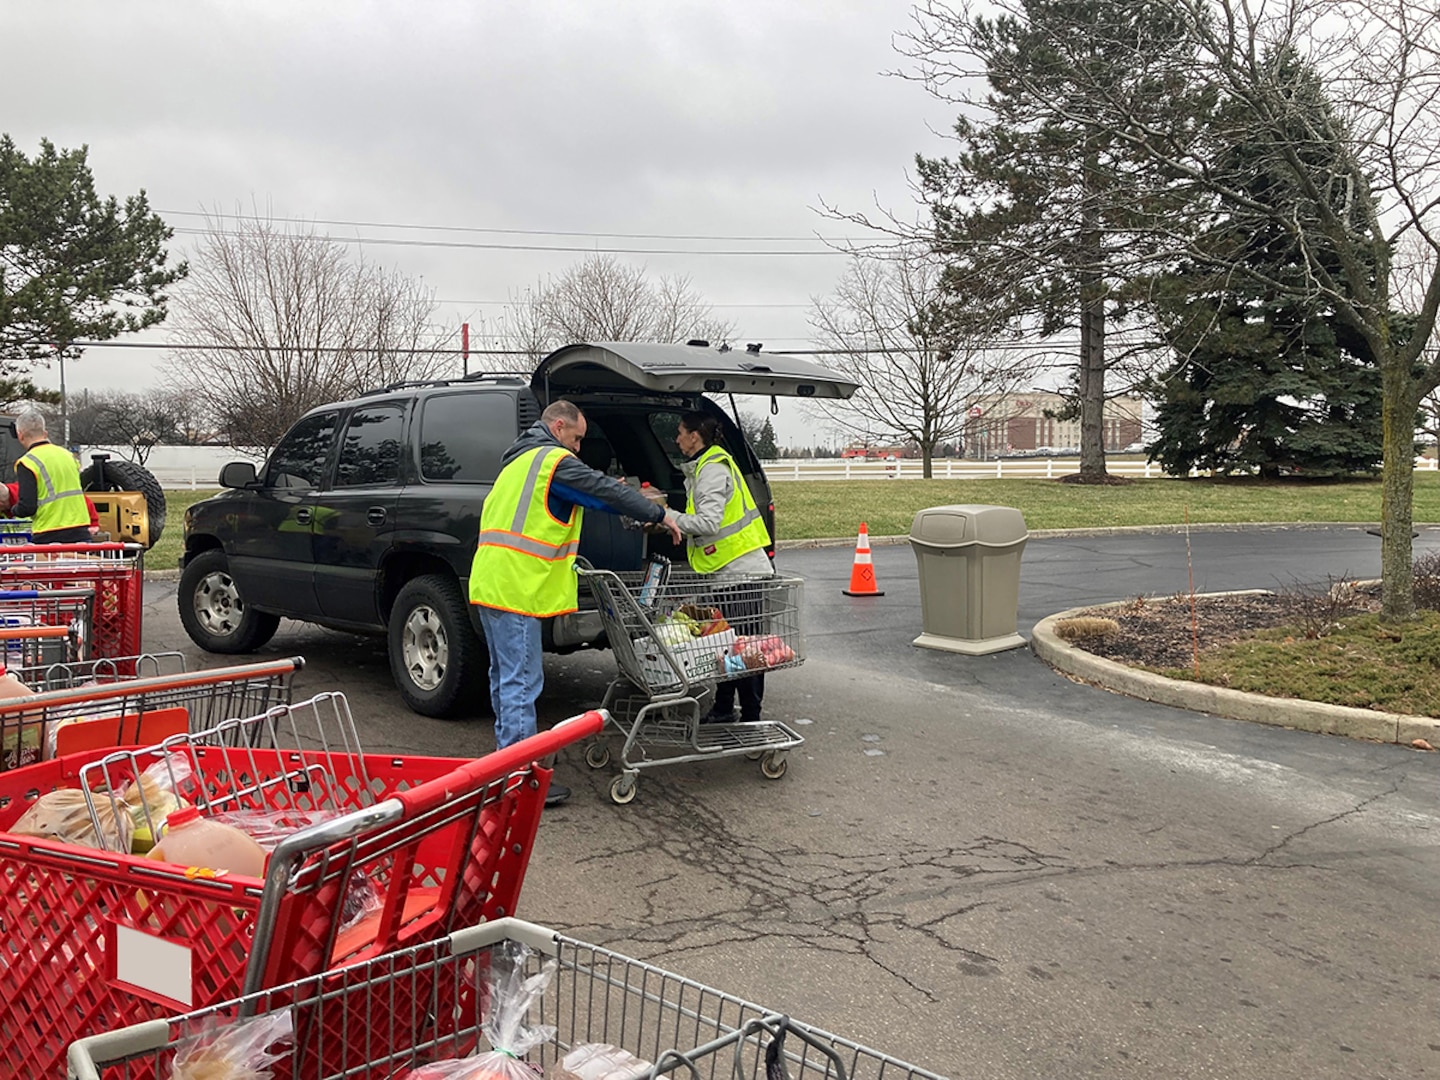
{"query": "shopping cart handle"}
pixel 493 768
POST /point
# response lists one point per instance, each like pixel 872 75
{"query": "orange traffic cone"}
pixel 862 573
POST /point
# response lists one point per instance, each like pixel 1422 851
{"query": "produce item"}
pixel 238 1051
pixel 193 840
pixel 598 1061
pixel 154 797
pixel 21 734
pixel 507 1026
pixel 64 816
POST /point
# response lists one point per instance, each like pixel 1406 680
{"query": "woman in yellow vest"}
pixel 49 486
pixel 725 536
pixel 524 565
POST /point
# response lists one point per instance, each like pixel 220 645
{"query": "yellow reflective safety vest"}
pixel 525 560
pixel 60 502
pixel 741 528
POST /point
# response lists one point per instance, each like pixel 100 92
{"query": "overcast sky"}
pixel 588 125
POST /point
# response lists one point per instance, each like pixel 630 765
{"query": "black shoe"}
pixel 557 794
pixel 746 719
pixel 716 717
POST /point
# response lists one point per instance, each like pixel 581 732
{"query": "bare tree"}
pixel 275 322
pixel 603 299
pixel 918 357
pixel 136 423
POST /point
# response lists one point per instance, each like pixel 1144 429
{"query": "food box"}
pixel 698 657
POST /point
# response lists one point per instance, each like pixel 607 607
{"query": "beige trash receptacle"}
pixel 969 560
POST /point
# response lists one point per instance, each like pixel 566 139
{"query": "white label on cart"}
pixel 153 964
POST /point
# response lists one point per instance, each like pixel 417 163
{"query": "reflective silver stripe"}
pixel 44 475
pixel 58 495
pixel 527 493
pixel 727 531
pixel 500 538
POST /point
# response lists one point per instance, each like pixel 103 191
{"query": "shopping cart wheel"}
pixel 622 789
pixel 774 764
pixel 755 755
pixel 597 755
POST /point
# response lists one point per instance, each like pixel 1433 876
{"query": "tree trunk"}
pixel 1092 384
pixel 927 455
pixel 1397 511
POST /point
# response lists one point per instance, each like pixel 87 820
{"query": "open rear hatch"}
pixel 682 369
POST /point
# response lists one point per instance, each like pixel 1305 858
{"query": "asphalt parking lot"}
pixel 986 869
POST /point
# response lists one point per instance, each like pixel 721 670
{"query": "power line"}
pixel 509 232
pixel 381 241
pixel 998 346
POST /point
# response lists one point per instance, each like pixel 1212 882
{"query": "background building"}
pixel 1016 424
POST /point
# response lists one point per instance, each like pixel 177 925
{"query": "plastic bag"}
pixel 63 815
pixel 21 733
pixel 237 1051
pixel 598 1061
pixel 507 1026
pixel 268 827
pixel 153 797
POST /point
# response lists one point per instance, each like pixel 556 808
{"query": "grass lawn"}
pixel 817 508
pixel 1360 663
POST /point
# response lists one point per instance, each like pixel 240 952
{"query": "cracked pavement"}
pixel 979 866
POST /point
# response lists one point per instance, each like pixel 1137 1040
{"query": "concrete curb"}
pixel 1117 530
pixel 1234 704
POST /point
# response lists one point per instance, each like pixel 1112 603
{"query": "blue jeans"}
pixel 517 671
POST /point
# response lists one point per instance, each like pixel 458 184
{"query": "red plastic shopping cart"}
pixel 114 571
pixel 93 939
pixel 110 706
pixel 371 1021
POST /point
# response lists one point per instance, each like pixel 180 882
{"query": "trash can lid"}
pixel 961 526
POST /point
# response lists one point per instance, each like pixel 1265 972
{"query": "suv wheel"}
pixel 437 658
pixel 214 613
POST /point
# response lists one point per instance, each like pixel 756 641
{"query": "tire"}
pixel 214 613
pixel 127 476
pixel 438 660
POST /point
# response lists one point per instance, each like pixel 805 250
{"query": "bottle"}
pixel 654 494
pixel 193 840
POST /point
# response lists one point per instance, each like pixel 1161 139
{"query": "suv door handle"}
pixel 302 515
pixel 375 515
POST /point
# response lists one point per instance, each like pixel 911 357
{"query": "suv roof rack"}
pixel 519 377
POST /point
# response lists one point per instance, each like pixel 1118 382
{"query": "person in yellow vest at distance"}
pixel 49 481
pixel 524 565
pixel 726 537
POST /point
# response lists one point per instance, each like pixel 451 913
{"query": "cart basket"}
pixel 377 1020
pixel 91 938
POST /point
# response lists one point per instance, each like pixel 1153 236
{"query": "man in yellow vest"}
pixel 49 486
pixel 727 538
pixel 523 570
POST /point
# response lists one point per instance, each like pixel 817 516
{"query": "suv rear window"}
pixel 370 450
pixel 463 435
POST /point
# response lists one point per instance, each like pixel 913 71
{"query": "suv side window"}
pixel 370 447
pixel 299 460
pixel 463 435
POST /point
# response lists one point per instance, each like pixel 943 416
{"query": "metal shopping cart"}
pixel 391 1014
pixel 126 710
pixel 99 672
pixel 667 672
pixel 115 572
pixel 70 609
pixel 92 937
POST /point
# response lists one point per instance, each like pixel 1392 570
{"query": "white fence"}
pixel 195 467
pixel 179 467
pixel 963 468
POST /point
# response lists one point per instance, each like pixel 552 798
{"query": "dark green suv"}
pixel 366 514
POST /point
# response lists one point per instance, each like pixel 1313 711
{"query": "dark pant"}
pixel 76 534
pixel 751 691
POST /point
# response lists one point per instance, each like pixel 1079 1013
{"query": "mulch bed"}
pixel 1160 632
